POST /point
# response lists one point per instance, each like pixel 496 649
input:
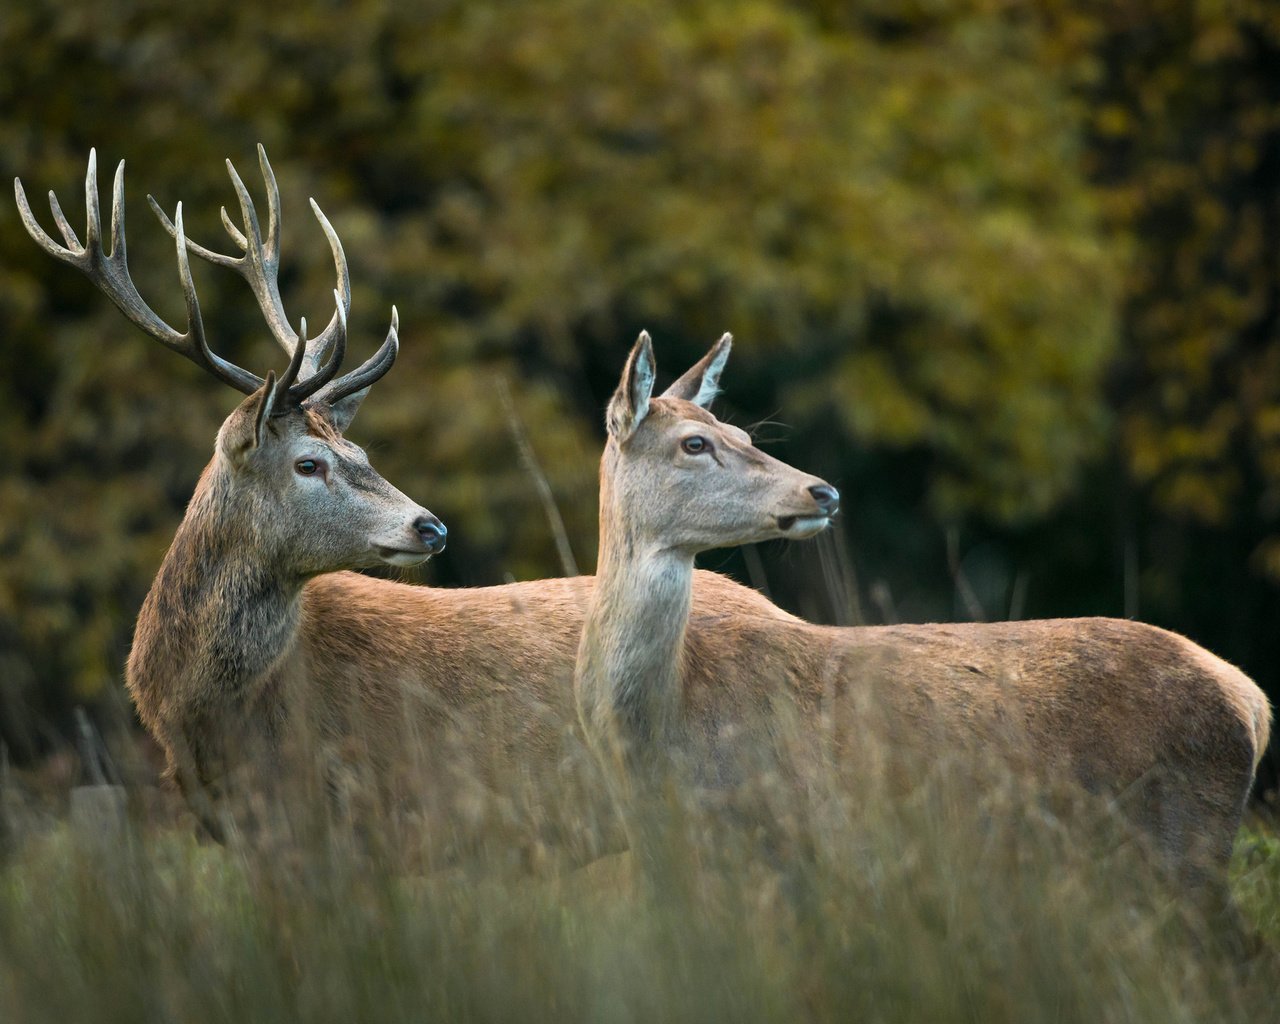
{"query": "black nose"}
pixel 432 532
pixel 827 497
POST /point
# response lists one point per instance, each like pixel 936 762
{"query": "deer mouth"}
pixel 401 557
pixel 803 526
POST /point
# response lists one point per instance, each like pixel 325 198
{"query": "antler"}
pixel 259 265
pixel 110 273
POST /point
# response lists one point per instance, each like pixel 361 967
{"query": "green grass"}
pixel 1255 879
pixel 946 902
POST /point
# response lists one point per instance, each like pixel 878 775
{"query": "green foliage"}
pixel 882 215
pixel 1255 879
pixel 1181 128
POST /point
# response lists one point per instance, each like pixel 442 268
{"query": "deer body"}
pixel 378 669
pixel 1116 706
pixel 404 656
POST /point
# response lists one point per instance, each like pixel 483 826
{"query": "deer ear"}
pixel 701 383
pixel 245 429
pixel 270 396
pixel 343 411
pixel 630 403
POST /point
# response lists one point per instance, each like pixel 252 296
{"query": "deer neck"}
pixel 221 611
pixel 628 675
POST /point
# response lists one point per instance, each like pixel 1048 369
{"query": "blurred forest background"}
pixel 1006 273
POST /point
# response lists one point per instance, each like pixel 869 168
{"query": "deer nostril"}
pixel 827 497
pixel 432 532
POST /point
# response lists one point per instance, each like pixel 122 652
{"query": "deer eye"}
pixel 307 467
pixel 696 445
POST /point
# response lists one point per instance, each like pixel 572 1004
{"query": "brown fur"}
pixel 393 668
pixel 1107 702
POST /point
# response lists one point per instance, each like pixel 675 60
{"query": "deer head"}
pixel 683 480
pixel 308 496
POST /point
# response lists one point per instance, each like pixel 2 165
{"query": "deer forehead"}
pixel 668 409
pixel 318 424
pixel 307 431
pixel 669 414
pixel 341 451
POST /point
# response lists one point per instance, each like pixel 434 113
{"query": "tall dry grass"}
pixel 843 892
pixel 888 885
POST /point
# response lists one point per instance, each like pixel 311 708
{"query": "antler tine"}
pixel 38 234
pixel 93 229
pixel 208 255
pixel 289 378
pixel 110 274
pixel 60 219
pixel 273 205
pixel 342 294
pixel 236 234
pixel 222 369
pixel 369 372
pixel 261 267
pixel 322 376
pixel 117 216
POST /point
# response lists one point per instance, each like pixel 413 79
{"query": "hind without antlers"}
pixel 1117 707
pixel 674 481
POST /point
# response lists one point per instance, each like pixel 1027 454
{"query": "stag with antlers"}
pixel 285 498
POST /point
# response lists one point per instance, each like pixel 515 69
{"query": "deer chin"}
pixel 400 557
pixel 800 527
